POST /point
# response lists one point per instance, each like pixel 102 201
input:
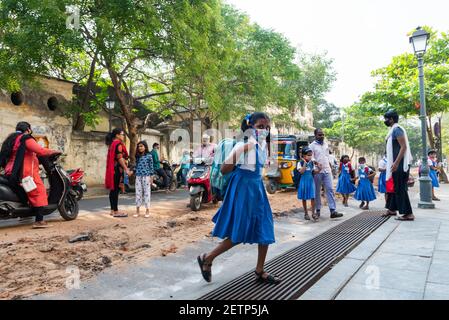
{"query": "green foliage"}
pixel 325 114
pixel 201 57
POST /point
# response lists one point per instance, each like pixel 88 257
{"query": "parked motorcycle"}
pixel 198 181
pixel 61 196
pixel 158 180
pixel 76 177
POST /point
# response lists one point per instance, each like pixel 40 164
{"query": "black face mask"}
pixel 387 123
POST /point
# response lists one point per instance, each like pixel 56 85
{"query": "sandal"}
pixel 407 217
pixel 207 274
pixel 389 214
pixel 436 199
pixel 307 217
pixel 270 279
pixel 120 215
pixel 41 225
pixel 362 204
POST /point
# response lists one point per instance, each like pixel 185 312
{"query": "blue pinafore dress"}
pixel 245 215
pixel 306 189
pixel 365 190
pixel 345 185
pixel 433 174
pixel 382 184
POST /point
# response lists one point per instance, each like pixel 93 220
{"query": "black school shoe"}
pixel 335 214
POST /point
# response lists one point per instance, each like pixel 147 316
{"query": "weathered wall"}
pixel 45 122
pixel 88 151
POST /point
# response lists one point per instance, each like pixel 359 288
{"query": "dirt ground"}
pixel 39 261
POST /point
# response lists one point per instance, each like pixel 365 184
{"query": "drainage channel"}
pixel 301 267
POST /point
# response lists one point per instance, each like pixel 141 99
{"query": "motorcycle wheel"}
pixel 173 185
pixel 69 210
pixel 195 201
pixel 271 186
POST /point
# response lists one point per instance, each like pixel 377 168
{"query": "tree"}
pixel 398 86
pixel 325 114
pixel 115 35
pixel 360 131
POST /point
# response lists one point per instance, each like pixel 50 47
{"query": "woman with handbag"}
pixel 19 157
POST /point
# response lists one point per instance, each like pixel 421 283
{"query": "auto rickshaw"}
pixel 286 151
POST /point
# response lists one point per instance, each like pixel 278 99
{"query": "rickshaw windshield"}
pixel 285 149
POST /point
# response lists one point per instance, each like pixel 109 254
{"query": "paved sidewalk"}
pixel 177 276
pixel 401 260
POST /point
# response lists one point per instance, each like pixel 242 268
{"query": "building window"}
pixel 17 98
pixel 52 103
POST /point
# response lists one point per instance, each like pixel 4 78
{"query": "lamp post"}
pixel 110 106
pixel 419 40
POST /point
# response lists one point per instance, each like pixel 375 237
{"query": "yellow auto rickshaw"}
pixel 285 151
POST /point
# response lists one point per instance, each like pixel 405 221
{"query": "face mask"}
pixel 262 133
pixel 387 123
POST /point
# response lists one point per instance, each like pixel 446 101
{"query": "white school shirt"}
pixel 247 161
pixel 383 164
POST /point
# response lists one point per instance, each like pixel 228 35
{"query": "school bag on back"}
pixel 217 179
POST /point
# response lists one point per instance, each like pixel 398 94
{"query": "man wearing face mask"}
pixel 324 178
pixel 399 159
pixel 206 150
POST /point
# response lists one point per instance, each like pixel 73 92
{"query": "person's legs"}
pixel 164 175
pixel 262 255
pixel 306 214
pixel 39 220
pixel 139 193
pixel 147 194
pixel 327 181
pixel 114 194
pixel 184 176
pixel 318 180
pixel 402 200
pixel 208 258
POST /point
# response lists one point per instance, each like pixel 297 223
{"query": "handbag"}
pixel 28 183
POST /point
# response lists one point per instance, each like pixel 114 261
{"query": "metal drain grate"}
pixel 304 265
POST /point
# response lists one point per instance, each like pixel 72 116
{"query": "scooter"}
pixel 61 196
pixel 77 185
pixel 198 181
pixel 158 181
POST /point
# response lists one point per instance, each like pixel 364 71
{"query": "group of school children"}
pixel 348 176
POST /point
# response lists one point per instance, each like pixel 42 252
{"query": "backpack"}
pixel 219 181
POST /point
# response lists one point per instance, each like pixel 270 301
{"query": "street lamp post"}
pixel 419 41
pixel 110 106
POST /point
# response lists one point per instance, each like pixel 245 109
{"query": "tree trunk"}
pixel 125 107
pixel 443 176
pixel 79 122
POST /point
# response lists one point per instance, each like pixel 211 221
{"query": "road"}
pixel 101 204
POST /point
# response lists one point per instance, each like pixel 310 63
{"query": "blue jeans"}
pixel 184 173
pixel 326 180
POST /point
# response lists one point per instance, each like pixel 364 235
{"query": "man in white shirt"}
pixel 320 151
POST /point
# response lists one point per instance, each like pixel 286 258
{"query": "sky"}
pixel 360 35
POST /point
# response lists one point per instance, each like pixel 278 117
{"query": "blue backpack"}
pixel 219 181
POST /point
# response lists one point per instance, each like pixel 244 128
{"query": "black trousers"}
pixel 113 194
pixel 399 200
pixel 162 173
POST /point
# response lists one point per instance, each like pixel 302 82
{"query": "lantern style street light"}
pixel 110 104
pixel 419 40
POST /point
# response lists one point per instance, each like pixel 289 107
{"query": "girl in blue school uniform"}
pixel 345 185
pixel 306 189
pixel 245 215
pixel 433 173
pixel 365 190
pixel 382 183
